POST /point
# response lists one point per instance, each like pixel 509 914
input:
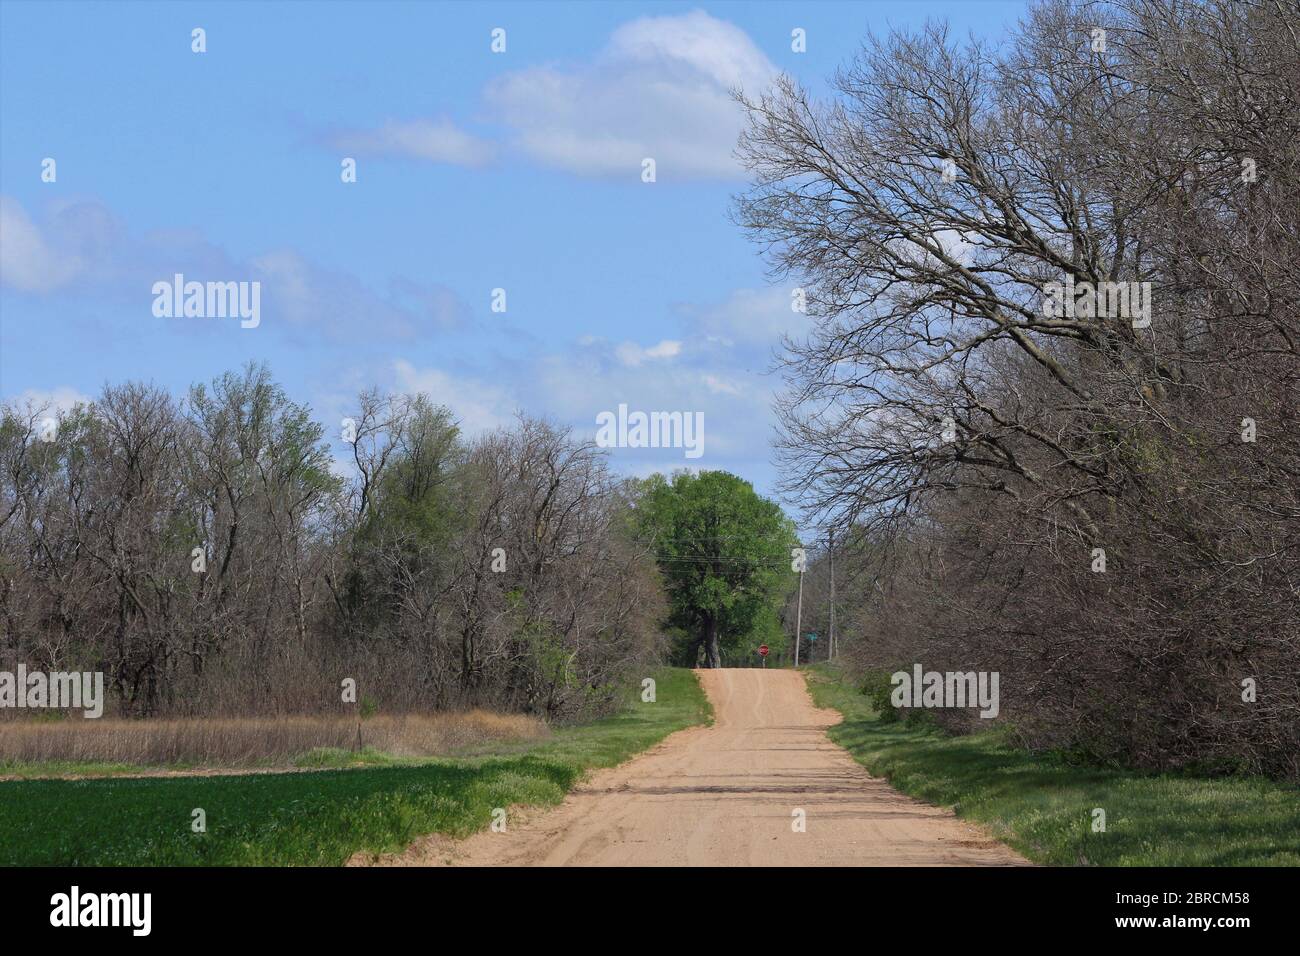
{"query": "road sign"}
pixel 812 636
pixel 762 649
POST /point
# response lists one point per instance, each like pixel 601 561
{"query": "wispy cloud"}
pixel 82 248
pixel 631 354
pixel 478 404
pixel 31 261
pixel 748 318
pixel 63 398
pixel 309 299
pixel 437 141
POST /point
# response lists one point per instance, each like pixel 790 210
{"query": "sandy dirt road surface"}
pixel 725 796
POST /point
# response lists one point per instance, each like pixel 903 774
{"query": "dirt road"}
pixel 726 795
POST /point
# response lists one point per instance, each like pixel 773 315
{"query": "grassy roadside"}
pixel 321 818
pixel 1042 806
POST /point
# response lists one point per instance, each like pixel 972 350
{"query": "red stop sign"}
pixel 762 649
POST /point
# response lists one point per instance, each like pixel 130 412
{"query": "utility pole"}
pixel 830 644
pixel 798 620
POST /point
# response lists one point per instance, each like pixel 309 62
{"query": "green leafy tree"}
pixel 724 552
pixel 411 456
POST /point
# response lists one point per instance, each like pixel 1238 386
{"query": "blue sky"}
pixel 476 171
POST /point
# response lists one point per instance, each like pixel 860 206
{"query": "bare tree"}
pixel 989 387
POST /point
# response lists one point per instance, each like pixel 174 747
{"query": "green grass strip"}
pixel 1042 805
pixel 320 818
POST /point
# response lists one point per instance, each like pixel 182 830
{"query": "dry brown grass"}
pixel 238 742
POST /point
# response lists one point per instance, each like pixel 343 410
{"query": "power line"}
pixel 757 562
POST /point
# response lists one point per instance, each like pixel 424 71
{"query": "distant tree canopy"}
pixel 724 553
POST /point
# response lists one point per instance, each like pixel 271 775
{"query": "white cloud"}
pixel 720 50
pixel 61 398
pixel 579 384
pixel 592 375
pixel 478 405
pixel 339 304
pixel 632 355
pixel 719 387
pixel 956 244
pixel 439 141
pixel 750 317
pixel 660 89
pixel 28 261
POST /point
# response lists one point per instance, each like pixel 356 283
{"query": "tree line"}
pixel 1099 498
pixel 210 555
